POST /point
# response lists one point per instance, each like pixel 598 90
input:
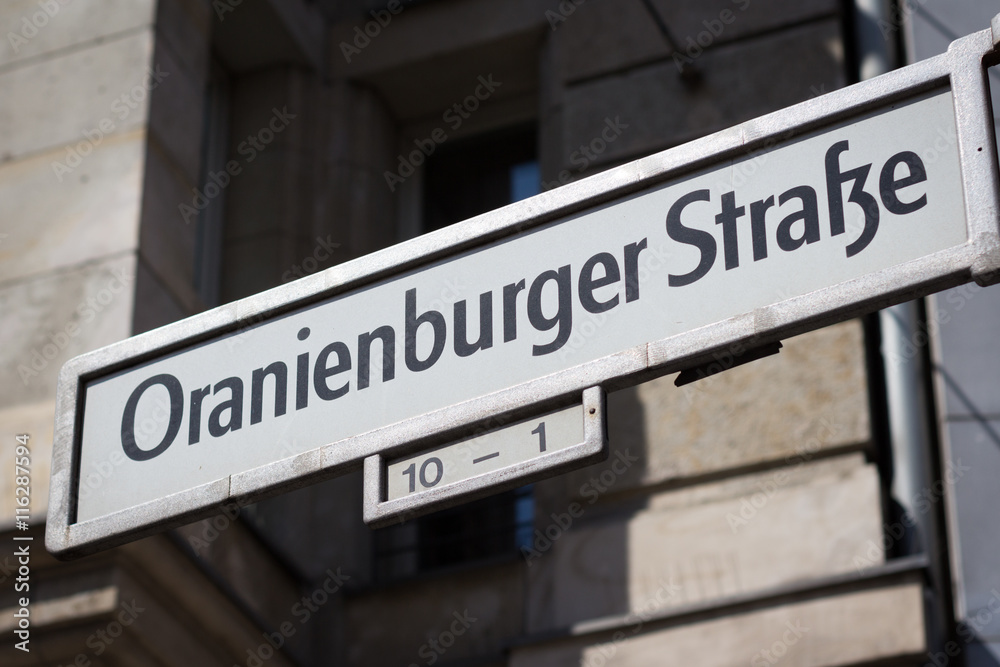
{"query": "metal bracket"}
pixel 716 366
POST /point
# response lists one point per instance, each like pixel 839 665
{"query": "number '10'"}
pixel 412 472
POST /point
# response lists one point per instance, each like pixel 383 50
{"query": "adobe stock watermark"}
pixel 303 611
pixel 968 630
pixel 588 153
pixel 794 631
pixel 93 477
pixel 449 294
pixel 565 10
pixel 436 647
pixel 754 503
pixel 99 472
pixel 478 444
pixel 224 7
pixel 956 298
pixel 898 13
pixel 86 311
pixel 599 654
pixel 714 28
pixel 101 640
pixel 363 36
pixel 120 109
pixel 209 530
pixel 875 553
pixel 586 329
pixel 31 25
pixel 592 489
pixel 322 251
pixel 250 148
pixel 454 116
pixel 744 169
pixel 732 356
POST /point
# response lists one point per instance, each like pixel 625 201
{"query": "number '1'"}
pixel 540 430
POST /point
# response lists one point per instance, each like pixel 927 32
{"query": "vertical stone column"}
pixel 173 170
pixel 269 205
pixel 348 216
pixel 300 205
pixel 99 141
pixel 357 203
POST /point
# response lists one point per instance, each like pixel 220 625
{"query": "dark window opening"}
pixel 461 180
pixel 473 176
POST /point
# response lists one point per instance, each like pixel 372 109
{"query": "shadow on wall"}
pixel 578 565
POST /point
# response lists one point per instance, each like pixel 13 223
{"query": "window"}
pixel 461 180
pixel 469 177
pixel 215 144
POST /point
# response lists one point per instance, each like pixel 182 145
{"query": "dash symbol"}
pixel 485 458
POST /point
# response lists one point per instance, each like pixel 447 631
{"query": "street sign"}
pixel 838 206
pixel 487 462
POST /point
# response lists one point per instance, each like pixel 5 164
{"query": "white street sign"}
pixel 835 207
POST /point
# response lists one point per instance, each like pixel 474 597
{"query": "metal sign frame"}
pixel 378 511
pixel 962 69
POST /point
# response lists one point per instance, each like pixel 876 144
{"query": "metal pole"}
pixel 903 352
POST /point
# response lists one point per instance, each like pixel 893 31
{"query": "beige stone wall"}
pixel 166 284
pixel 100 141
pixel 727 509
pixel 147 603
pixel 841 628
pixel 71 175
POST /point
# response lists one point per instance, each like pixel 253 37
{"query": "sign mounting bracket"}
pixel 486 463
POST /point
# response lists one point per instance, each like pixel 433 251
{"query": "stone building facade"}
pixel 162 157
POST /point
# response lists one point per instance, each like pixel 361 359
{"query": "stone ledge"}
pixel 743 622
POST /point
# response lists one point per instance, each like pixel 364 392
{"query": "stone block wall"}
pixel 735 517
